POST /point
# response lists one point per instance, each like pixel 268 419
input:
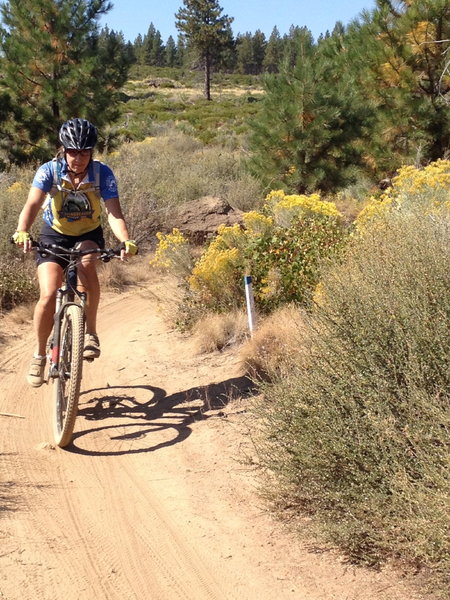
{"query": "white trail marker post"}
pixel 250 303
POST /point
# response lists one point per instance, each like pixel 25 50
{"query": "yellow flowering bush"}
pixel 282 248
pixel 256 223
pixel 286 208
pixel 211 274
pixel 228 236
pixel 173 253
pixel 216 276
pixel 414 190
pixel 374 212
pixel 273 197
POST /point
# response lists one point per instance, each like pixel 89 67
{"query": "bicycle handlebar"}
pixel 56 250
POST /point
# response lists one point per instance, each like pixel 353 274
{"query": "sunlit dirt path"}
pixel 153 500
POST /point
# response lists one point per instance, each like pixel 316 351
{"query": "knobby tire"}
pixel 67 386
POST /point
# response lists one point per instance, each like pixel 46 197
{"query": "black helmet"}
pixel 78 134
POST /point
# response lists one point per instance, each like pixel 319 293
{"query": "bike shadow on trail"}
pixel 142 411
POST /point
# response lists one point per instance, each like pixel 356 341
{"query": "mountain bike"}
pixel 66 343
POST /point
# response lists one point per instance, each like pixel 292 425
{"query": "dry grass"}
pixel 116 275
pixel 159 174
pixel 277 345
pixel 21 315
pixel 217 331
pixel 14 321
pixel 169 294
pixel 179 92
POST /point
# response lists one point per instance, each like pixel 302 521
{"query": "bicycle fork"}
pixel 64 296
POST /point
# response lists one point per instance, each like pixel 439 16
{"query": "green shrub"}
pixel 286 264
pixel 360 436
pixel 17 283
pixel 286 258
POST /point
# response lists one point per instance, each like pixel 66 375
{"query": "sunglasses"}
pixel 73 153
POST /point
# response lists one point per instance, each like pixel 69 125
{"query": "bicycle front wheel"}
pixel 67 384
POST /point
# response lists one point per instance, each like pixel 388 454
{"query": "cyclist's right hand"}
pixel 128 248
pixel 23 238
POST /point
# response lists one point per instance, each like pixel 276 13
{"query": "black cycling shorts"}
pixel 50 236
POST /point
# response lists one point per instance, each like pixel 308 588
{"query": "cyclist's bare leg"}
pixel 50 276
pixel 88 281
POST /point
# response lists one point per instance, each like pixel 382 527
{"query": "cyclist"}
pixel 72 189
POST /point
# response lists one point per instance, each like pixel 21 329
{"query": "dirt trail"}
pixel 151 502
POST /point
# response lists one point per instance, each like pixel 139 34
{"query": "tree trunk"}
pixel 207 91
pixel 55 110
pixel 55 105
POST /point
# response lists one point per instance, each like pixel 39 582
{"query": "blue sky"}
pixel 133 17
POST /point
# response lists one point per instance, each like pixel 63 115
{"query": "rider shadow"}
pixel 170 415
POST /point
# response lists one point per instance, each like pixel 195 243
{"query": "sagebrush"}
pixel 360 437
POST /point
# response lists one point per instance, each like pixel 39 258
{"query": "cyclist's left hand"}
pixel 128 248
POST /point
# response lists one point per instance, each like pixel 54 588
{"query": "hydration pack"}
pixel 56 186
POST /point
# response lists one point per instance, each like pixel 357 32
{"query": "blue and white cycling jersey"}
pixel 70 210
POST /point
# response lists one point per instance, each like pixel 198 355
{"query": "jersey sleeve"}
pixel 108 183
pixel 43 178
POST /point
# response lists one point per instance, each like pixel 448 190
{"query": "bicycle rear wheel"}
pixel 67 385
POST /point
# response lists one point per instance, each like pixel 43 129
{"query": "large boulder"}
pixel 200 219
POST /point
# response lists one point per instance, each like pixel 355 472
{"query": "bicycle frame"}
pixel 68 293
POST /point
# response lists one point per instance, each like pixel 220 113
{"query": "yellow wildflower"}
pixel 415 189
pixel 256 223
pixel 287 207
pixel 172 252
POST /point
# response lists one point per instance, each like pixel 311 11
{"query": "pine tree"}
pixel 170 57
pixel 293 42
pixel 181 51
pixel 251 50
pixel 148 41
pixel 112 64
pixel 138 47
pixel 273 54
pixel 129 52
pixel 226 57
pixel 245 54
pixel 157 51
pixel 307 135
pixel 206 30
pixel 259 50
pixel 407 59
pixel 53 70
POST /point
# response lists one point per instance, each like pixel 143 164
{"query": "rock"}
pixel 200 219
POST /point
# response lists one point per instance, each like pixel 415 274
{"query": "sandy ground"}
pixel 153 500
